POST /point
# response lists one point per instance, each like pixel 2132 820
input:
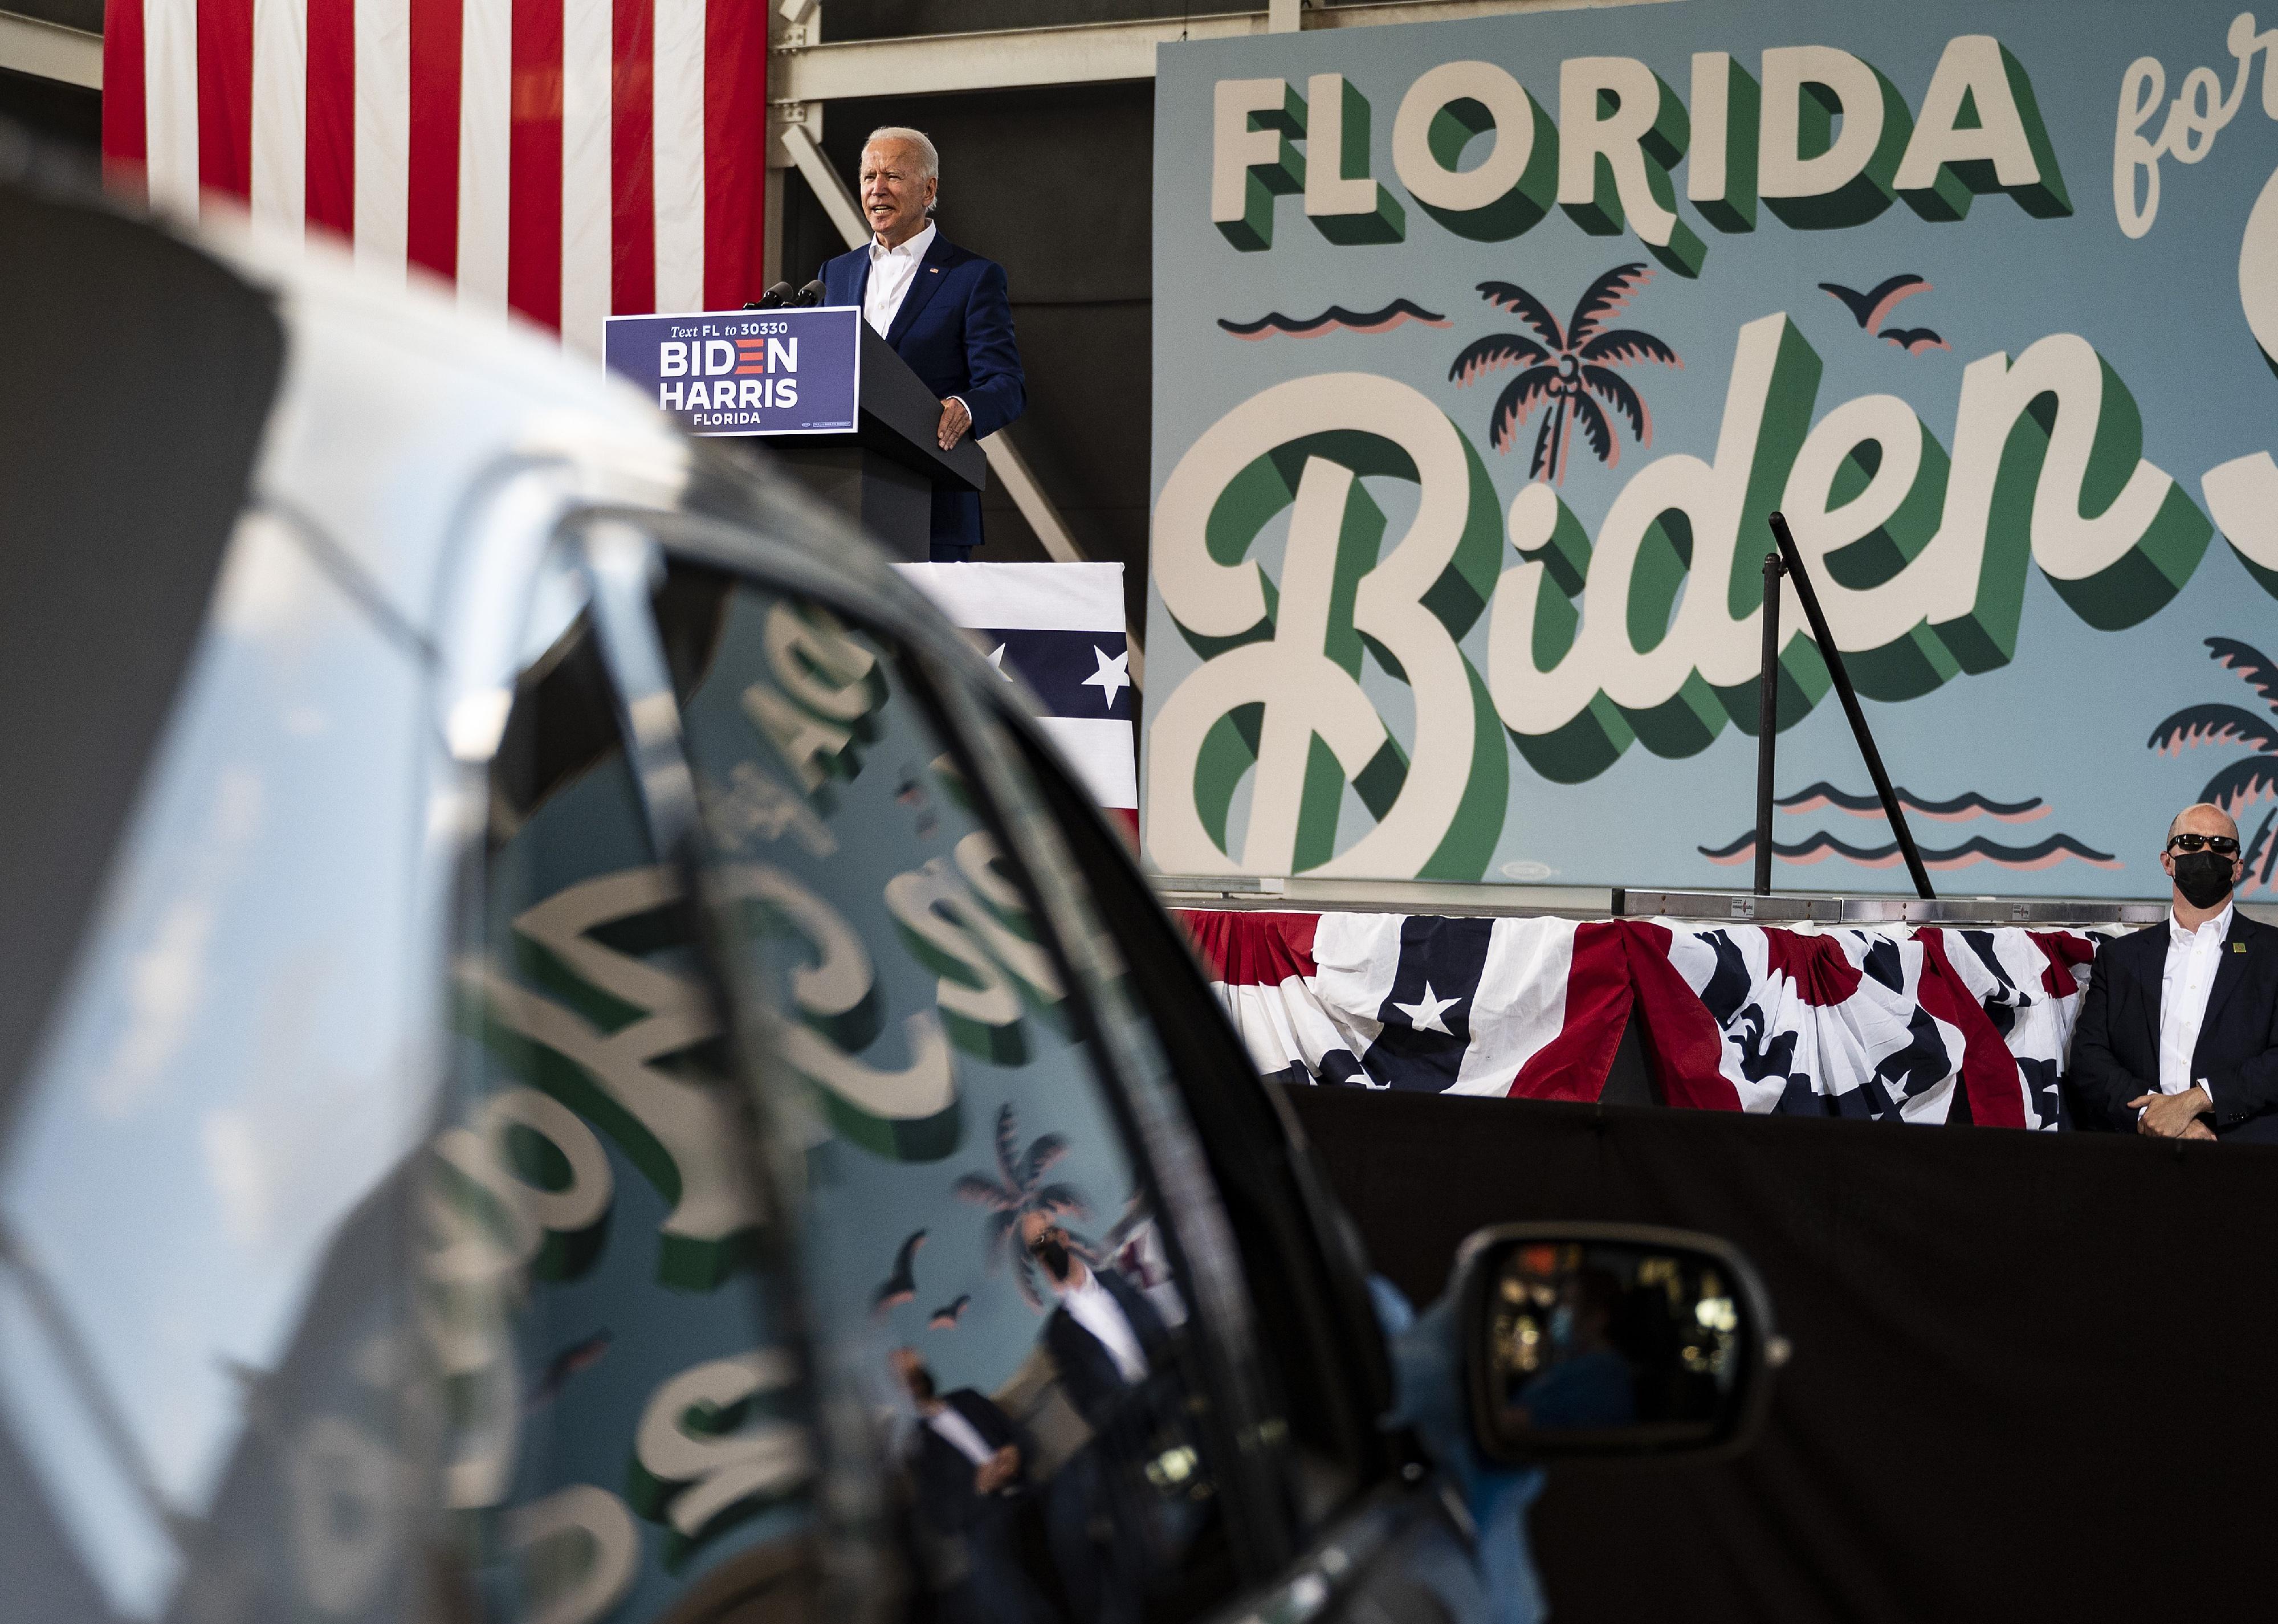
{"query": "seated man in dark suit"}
pixel 2178 1035
pixel 966 1468
pixel 944 310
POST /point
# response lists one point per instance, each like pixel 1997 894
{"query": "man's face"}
pixel 895 191
pixel 2205 821
pixel 1047 1243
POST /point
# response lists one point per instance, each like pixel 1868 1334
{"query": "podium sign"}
pixel 827 400
pixel 735 372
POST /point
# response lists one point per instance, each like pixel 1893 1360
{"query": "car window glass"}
pixel 628 1418
pixel 980 1247
pixel 198 1202
pixel 1315 1328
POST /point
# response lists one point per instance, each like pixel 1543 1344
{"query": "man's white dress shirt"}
pixel 1102 1315
pixel 962 1434
pixel 2193 959
pixel 891 272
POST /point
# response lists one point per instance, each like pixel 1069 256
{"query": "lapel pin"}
pixel 2238 947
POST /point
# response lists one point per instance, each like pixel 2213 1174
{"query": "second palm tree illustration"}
pixel 1562 368
pixel 2239 785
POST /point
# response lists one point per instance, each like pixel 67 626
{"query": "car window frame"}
pixel 1248 1432
pixel 622 664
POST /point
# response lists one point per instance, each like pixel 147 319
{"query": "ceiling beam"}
pixel 50 50
pixel 1079 53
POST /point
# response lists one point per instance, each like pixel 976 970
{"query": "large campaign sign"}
pixel 1497 342
pixel 746 371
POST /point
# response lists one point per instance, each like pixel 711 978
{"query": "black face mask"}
pixel 1054 1256
pixel 2203 877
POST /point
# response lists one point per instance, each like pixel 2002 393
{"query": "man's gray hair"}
pixel 2202 807
pixel 926 156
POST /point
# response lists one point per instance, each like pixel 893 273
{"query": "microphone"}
pixel 774 299
pixel 811 294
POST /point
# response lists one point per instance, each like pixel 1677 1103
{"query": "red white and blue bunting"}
pixel 1887 1023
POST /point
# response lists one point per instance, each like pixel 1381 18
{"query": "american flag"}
pixel 1888 1025
pixel 565 160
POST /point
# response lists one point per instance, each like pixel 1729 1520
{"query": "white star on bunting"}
pixel 1110 678
pixel 1425 1016
pixel 996 661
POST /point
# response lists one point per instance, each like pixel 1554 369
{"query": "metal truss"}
pixel 50 50
pixel 807 68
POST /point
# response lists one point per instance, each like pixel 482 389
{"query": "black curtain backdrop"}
pixel 2036 1375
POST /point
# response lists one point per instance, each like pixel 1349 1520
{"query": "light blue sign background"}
pixel 2067 720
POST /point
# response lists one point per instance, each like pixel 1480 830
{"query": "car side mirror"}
pixel 1611 1339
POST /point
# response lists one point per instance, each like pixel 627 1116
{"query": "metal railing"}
pixel 1787 560
pixel 1300 895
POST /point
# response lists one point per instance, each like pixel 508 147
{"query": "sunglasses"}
pixel 2221 845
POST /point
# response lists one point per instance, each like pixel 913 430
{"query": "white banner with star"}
pixel 1059 629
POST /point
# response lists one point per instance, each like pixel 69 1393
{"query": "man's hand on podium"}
pixel 955 420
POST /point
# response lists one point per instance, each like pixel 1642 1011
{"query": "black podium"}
pixel 882 475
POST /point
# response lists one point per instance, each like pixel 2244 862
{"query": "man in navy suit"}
pixel 1114 1356
pixel 945 311
pixel 1106 1338
pixel 965 1467
pixel 2178 1035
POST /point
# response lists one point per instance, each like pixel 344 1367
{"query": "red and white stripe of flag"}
pixel 565 160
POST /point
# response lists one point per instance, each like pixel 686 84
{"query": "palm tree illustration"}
pixel 1017 1189
pixel 2241 783
pixel 1562 368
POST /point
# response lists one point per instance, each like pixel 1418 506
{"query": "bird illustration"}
pixel 901 1286
pixel 911 794
pixel 947 1315
pixel 1913 341
pixel 578 1356
pixel 1871 310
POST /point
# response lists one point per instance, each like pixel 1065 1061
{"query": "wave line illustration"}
pixel 2042 854
pixel 1335 318
pixel 1961 807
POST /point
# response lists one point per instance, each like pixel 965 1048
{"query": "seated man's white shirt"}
pixel 891 272
pixel 2193 957
pixel 1099 1313
pixel 960 1433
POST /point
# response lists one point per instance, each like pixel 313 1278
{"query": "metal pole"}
pixel 1767 723
pixel 1891 810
